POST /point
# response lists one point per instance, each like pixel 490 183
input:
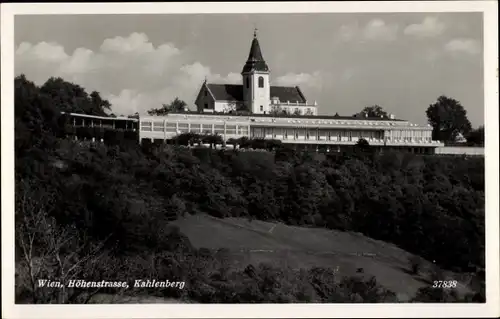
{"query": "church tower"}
pixel 256 90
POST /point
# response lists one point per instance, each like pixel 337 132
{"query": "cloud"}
pixel 348 74
pixel 348 32
pixel 188 81
pixel 131 72
pixel 378 30
pixel 78 62
pixel 313 80
pixel 136 43
pixel 430 27
pixel 432 54
pixel 468 46
pixel 43 51
pixel 375 30
pixel 130 101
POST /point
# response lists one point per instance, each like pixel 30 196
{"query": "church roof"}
pixel 226 92
pixel 288 93
pixel 255 61
pixel 234 92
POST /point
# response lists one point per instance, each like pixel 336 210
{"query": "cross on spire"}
pixel 255 61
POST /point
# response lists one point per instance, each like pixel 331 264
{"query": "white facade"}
pixel 256 92
pixel 296 108
pixel 458 150
pixel 221 107
pixel 317 131
pixel 205 101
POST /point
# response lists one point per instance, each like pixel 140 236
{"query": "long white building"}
pixel 322 132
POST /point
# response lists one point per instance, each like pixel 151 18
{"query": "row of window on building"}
pixel 194 127
pixel 396 134
pixel 315 133
pixel 105 124
pixel 284 133
pixel 291 110
pixel 402 134
pixel 295 111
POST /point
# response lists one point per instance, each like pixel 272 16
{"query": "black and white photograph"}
pixel 248 154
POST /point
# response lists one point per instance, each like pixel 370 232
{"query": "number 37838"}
pixel 444 284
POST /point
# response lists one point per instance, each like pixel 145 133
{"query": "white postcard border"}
pixel 491 308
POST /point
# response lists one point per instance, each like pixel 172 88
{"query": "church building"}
pixel 255 94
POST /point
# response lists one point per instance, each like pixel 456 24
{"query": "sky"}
pixel 344 61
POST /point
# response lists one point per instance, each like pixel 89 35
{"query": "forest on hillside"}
pixel 93 210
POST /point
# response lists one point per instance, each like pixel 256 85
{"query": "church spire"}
pixel 255 61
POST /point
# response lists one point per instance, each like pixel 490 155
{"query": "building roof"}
pixel 226 92
pixel 255 61
pixel 234 92
pixel 117 118
pixel 287 93
pixel 291 116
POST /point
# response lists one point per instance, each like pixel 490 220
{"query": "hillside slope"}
pixel 253 242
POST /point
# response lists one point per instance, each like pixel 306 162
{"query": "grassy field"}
pixel 252 242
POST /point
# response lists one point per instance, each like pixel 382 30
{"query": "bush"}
pixel 415 264
pixel 432 295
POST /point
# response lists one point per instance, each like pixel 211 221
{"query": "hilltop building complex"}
pixel 256 109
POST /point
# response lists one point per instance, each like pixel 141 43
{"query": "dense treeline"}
pixel 92 203
pixel 431 206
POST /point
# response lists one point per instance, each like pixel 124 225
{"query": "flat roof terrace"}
pixel 268 120
pixel 328 117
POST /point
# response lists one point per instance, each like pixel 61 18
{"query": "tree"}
pixel 72 98
pixel 448 118
pixel 363 147
pixel 231 107
pixel 177 105
pixel 234 107
pixel 213 140
pixel 273 144
pixel 476 136
pixel 297 112
pixel 188 139
pixel 276 110
pixel 243 142
pixel 309 112
pixel 47 249
pixel 363 144
pixel 99 105
pixel 415 264
pixel 234 142
pixel 373 111
pixel 36 116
